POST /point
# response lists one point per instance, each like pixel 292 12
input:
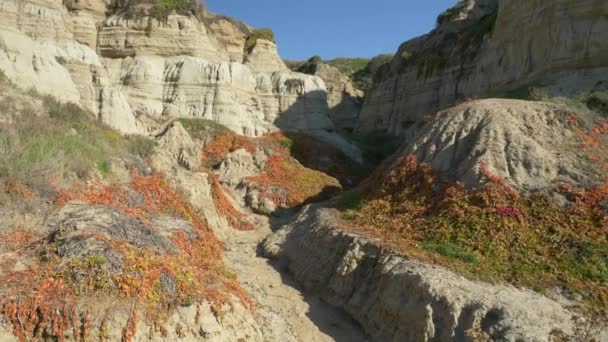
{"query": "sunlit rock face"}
pixel 135 72
pixel 488 48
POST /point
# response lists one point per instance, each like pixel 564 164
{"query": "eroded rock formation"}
pixel 135 70
pixel 485 48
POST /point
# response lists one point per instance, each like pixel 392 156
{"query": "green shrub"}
pixel 351 200
pixel 159 9
pixel 598 102
pixel 64 145
pixel 527 93
pixel 262 33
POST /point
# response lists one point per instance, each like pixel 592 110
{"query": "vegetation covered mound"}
pixel 299 168
pixel 78 226
pixel 71 266
pixel 493 233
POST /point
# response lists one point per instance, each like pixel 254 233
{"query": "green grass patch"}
pixel 64 145
pixel 449 250
pixel 349 66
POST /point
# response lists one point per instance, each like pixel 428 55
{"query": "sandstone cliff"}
pixel 485 48
pixel 134 70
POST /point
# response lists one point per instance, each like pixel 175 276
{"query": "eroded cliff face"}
pixel 136 71
pixel 485 48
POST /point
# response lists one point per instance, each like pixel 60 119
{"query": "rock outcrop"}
pixel 134 70
pixel 530 144
pixel 485 48
pixel 399 299
pixel 263 57
pixel 343 98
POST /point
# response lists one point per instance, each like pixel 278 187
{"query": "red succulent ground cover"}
pixel 285 181
pixel 41 298
pixel 492 232
pixel 237 219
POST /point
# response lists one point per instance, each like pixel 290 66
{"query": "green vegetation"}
pixel 64 144
pixel 202 129
pixel 595 101
pixel 361 71
pixel 598 102
pixel 527 93
pixel 262 33
pixel 350 200
pixel 449 250
pixel 159 9
pixel 349 66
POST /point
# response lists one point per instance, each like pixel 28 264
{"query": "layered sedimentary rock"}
pixel 231 33
pixel 135 70
pixel 121 36
pixel 263 57
pixel 399 299
pixel 487 48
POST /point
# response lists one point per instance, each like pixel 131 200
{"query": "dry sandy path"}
pixel 284 312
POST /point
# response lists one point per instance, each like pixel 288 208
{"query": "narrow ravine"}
pixel 283 311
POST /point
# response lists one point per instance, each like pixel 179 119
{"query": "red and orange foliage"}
pixel 491 232
pixel 196 266
pixel 237 219
pixel 288 184
pixel 44 305
pixel 285 181
pixel 593 139
pixel 31 300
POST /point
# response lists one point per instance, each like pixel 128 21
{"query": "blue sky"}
pixel 333 28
